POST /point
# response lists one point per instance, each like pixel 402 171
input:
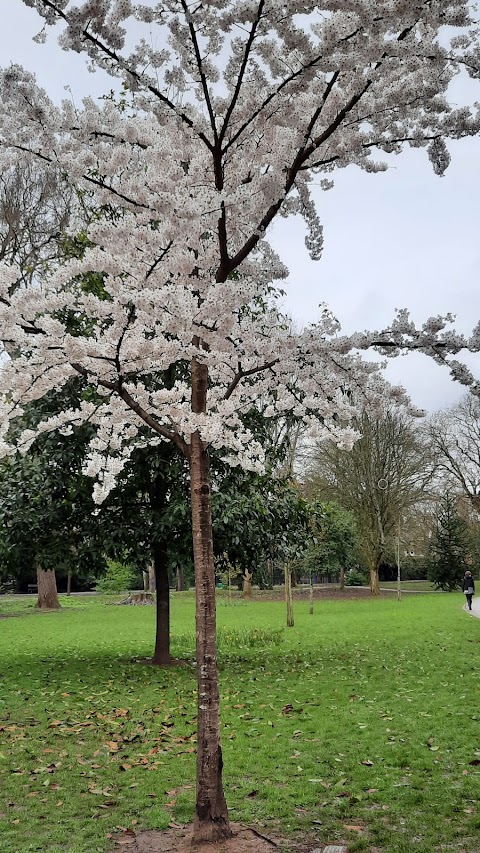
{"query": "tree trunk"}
pixel 158 568
pixel 180 579
pixel 247 584
pixel 342 577
pixel 288 596
pixel 69 583
pixel 399 584
pixel 151 577
pixel 475 501
pixel 211 814
pixel 270 574
pixel 311 595
pixel 47 590
pixel 374 581
pixel 145 581
pixel 161 654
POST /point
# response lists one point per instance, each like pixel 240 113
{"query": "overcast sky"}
pixel 404 238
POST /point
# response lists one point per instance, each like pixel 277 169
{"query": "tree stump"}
pixel 47 590
pixel 138 598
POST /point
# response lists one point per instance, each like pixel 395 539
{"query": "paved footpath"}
pixel 475 611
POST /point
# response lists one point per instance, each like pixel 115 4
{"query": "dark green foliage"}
pixel 256 519
pixel 334 540
pixel 48 513
pixel 449 546
pixel 150 509
pixel 474 547
pixel 413 568
pixel 46 508
pixel 354 577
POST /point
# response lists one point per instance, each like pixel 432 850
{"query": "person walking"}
pixel 468 587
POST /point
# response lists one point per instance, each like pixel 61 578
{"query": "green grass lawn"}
pixel 410 586
pixel 360 724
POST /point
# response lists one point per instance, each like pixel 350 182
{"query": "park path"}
pixel 475 611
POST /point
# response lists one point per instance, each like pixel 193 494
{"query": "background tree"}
pixel 35 208
pixel 335 546
pixel 146 518
pixel 258 520
pixel 384 475
pixel 455 437
pixel 46 521
pixel 449 546
pixel 411 539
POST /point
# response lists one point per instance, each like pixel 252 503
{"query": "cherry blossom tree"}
pixel 231 112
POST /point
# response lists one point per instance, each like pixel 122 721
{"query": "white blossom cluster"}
pixel 225 126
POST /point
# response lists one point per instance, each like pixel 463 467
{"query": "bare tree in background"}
pixel 384 475
pixel 285 439
pixel 34 211
pixel 455 437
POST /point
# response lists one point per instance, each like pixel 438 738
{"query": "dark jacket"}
pixel 468 583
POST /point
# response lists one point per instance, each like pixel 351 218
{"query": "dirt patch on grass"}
pixel 179 840
pixel 322 593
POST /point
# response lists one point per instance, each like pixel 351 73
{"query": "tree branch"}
pixel 293 76
pixel 148 419
pixel 241 73
pixel 130 317
pixel 158 260
pixel 121 63
pixel 88 178
pixel 199 61
pixel 242 373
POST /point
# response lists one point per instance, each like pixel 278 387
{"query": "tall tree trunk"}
pixel 270 573
pixel 161 654
pixel 47 590
pixel 145 580
pixel 310 610
pixel 342 577
pixel 374 581
pixel 211 813
pixel 151 577
pixel 399 583
pixel 180 579
pixel 288 596
pixel 69 583
pixel 158 567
